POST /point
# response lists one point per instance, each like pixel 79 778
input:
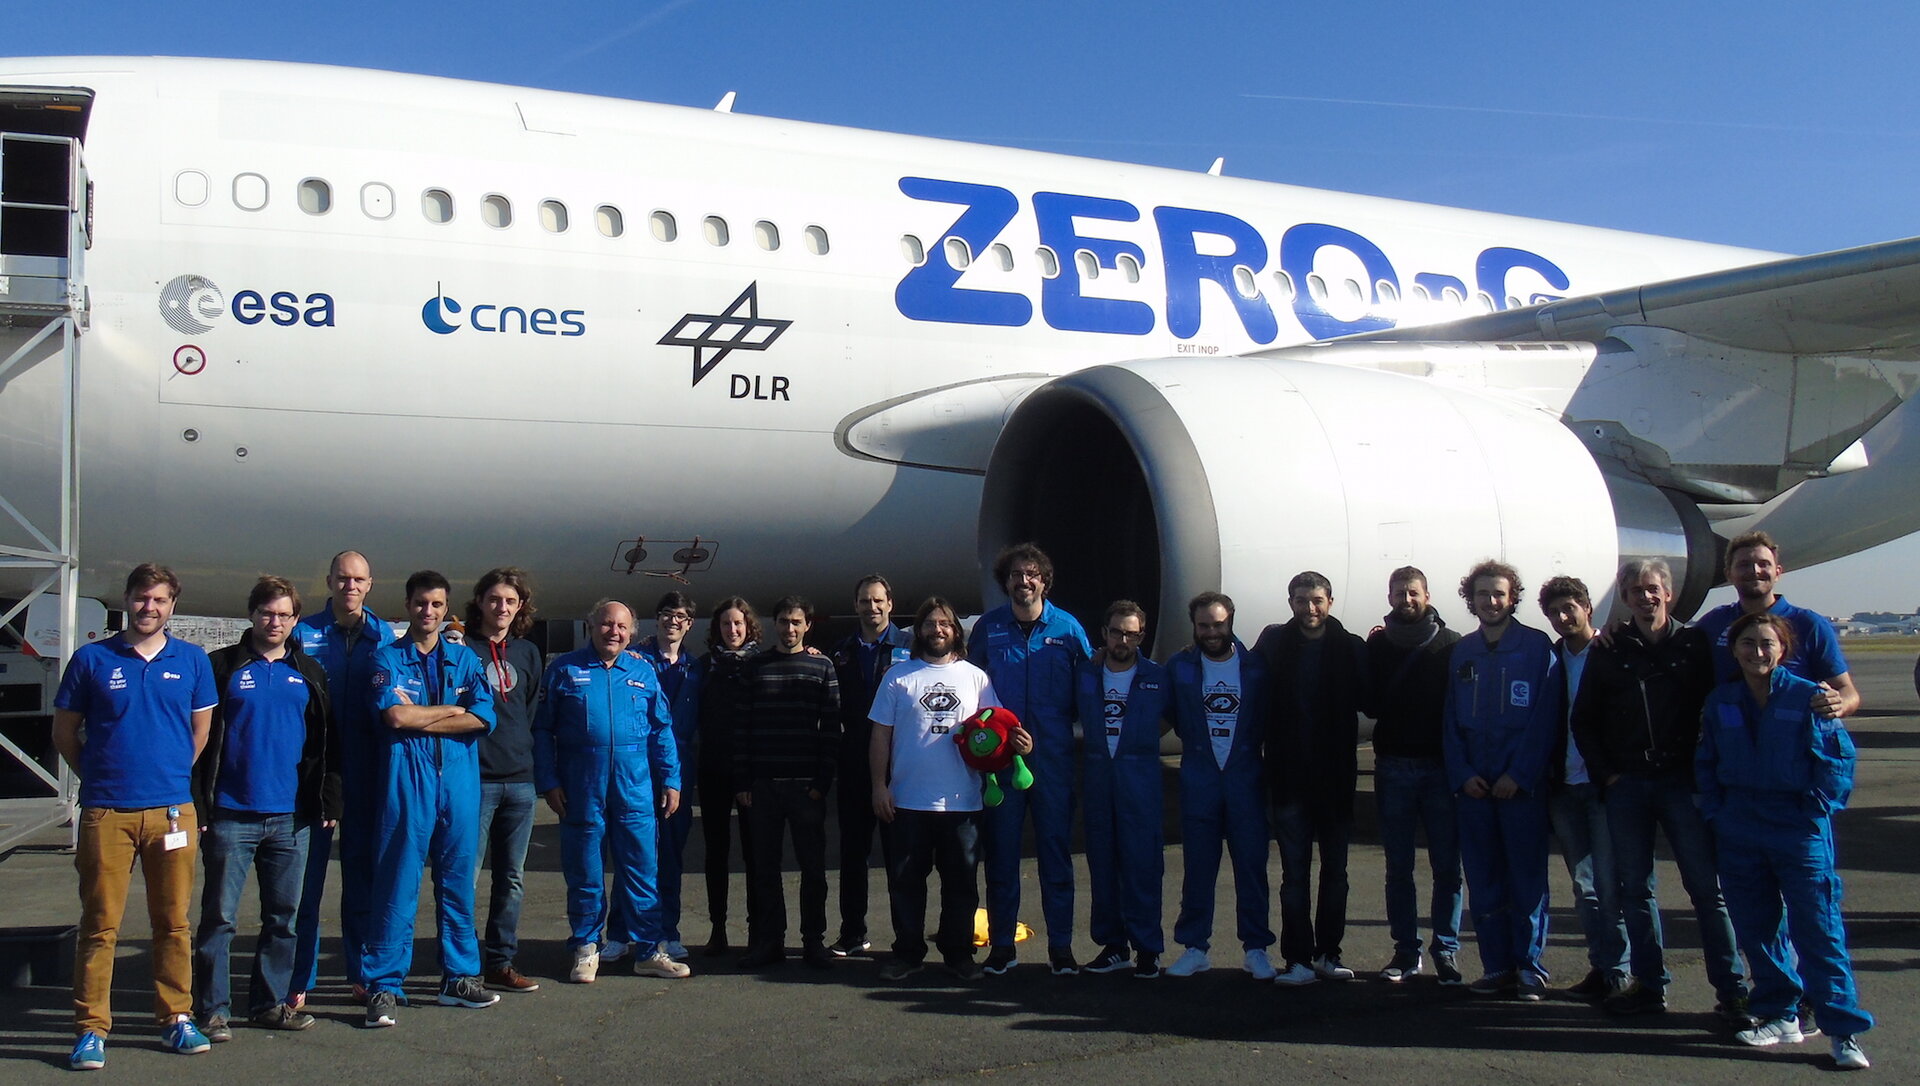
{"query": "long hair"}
pixel 732 603
pixel 515 578
pixel 927 608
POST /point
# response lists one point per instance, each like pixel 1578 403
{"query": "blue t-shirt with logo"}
pixel 138 715
pixel 1816 650
pixel 266 714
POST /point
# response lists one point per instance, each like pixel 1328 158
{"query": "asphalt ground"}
pixel 791 1023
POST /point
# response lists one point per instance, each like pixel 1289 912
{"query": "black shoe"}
pixel 900 969
pixel 999 960
pixel 281 1016
pixel 963 968
pixel 1635 998
pixel 1111 960
pixel 717 942
pixel 379 1010
pixel 1060 959
pixel 1447 970
pixel 466 992
pixel 1495 984
pixel 763 957
pixel 1597 984
pixel 817 956
pixel 1146 966
pixel 847 948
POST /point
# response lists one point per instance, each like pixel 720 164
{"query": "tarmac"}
pixel 792 1023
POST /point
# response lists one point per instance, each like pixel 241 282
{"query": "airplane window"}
pixel 1483 301
pixel 608 219
pixel 1452 297
pixel 1284 282
pixel 250 192
pixel 376 200
pixel 1128 266
pixel 1002 256
pixel 437 205
pixel 1388 295
pixel 1243 281
pixel 1049 263
pixel 553 216
pixel 1087 263
pixel 1353 290
pixel 190 188
pixel 664 228
pixel 958 255
pixel 716 230
pixel 1317 287
pixel 913 250
pixel 316 196
pixel 1419 294
pixel 496 211
pixel 766 235
pixel 817 240
pixel 1514 303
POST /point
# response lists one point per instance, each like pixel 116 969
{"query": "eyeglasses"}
pixel 1132 637
pixel 675 618
pixel 276 616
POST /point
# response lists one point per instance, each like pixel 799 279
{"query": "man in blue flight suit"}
pixel 1219 704
pixel 859 663
pixel 1123 702
pixel 436 704
pixel 1502 713
pixel 1029 648
pixel 343 637
pixel 602 737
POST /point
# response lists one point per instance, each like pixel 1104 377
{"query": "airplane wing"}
pixel 1849 301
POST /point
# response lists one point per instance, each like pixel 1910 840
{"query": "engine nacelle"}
pixel 1158 479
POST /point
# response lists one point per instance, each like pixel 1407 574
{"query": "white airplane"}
pixel 453 325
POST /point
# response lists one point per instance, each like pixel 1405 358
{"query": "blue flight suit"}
pixel 349 667
pixel 604 733
pixel 1122 802
pixel 1033 676
pixel 1770 779
pixel 1502 715
pixel 1222 804
pixel 429 810
pixel 690 674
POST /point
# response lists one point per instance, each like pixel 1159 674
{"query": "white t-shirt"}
pixel 1116 685
pixel 1576 666
pixel 1220 701
pixel 925 704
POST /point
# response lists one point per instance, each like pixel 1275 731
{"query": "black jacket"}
pixel 1408 692
pixel 1313 757
pixel 318 795
pixel 1638 710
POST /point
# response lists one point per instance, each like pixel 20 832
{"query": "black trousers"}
pixel 779 806
pixel 716 831
pixel 925 841
pixel 853 792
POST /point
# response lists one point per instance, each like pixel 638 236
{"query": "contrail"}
pixel 622 34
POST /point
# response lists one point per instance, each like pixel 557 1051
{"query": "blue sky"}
pixel 1783 126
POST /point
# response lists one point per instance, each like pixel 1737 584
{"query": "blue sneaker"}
pixel 185 1038
pixel 89 1052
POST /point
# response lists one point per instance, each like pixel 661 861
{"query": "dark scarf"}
pixel 1412 634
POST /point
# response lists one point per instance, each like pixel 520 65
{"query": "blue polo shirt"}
pixel 139 720
pixel 265 706
pixel 1816 650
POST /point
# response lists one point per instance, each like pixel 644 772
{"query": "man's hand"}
pixel 1021 740
pixel 883 803
pixel 744 799
pixel 669 802
pixel 1475 788
pixel 557 801
pixel 1506 787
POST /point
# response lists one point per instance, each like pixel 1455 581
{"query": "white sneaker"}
pixel 1296 975
pixel 1329 968
pixel 1259 966
pixel 658 964
pixel 586 964
pixel 1784 1030
pixel 1847 1055
pixel 613 950
pixel 1193 961
pixel 675 950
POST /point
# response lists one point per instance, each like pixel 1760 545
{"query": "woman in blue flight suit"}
pixel 1771 772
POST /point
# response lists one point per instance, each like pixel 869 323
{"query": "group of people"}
pixel 426 749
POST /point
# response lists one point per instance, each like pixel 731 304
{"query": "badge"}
pixel 1520 694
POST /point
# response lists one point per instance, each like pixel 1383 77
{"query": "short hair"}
pixel 334 565
pixel 676 600
pixel 147 574
pixel 1022 552
pixel 860 585
pixel 927 607
pixel 1125 609
pixel 513 577
pixel 268 589
pixel 1752 539
pixel 1564 588
pixel 1492 567
pixel 1407 573
pixel 1635 568
pixel 1309 580
pixel 1209 599
pixel 732 603
pixel 426 580
pixel 792 603
pixel 605 604
pixel 1781 629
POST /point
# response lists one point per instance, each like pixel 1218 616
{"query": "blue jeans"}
pixel 1307 930
pixel 506 823
pixel 925 842
pixel 1636 805
pixel 1412 792
pixel 235 843
pixel 1580 827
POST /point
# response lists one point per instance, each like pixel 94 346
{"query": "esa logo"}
pixel 443 316
pixel 192 305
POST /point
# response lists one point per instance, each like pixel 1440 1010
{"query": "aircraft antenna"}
pixel 1214 170
pixel 726 103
